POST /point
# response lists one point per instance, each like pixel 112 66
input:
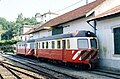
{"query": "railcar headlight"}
pixel 88 33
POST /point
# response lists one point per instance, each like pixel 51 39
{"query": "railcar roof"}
pixel 21 42
pixel 32 40
pixel 76 34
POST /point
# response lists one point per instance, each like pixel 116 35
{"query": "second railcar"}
pixel 26 47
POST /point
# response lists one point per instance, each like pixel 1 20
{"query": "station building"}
pixel 101 17
pixel 108 33
pixel 70 22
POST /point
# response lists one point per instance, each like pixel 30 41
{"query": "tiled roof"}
pixel 29 26
pixel 109 12
pixel 32 29
pixel 72 15
pixel 28 32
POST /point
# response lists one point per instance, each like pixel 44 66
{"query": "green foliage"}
pixel 29 21
pixel 8 45
pixel 7 29
pixel 3 23
pixel 20 18
pixel 26 21
pixel 8 42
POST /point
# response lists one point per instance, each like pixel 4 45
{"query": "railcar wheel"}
pixel 91 66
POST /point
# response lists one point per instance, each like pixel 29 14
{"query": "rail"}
pixel 42 70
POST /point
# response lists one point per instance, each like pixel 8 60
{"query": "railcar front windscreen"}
pixel 93 43
pixel 83 43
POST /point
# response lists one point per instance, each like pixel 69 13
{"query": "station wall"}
pixel 105 35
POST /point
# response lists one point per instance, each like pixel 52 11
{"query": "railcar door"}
pixel 36 49
pixel 94 46
pixel 31 50
pixel 25 45
pixel 93 43
pixel 63 48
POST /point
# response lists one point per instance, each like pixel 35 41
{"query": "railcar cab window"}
pixel 93 43
pixel 82 43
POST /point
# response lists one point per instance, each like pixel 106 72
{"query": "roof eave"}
pixel 60 23
pixel 105 17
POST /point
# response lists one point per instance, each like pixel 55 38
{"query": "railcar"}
pixel 26 47
pixel 78 48
pixel 21 47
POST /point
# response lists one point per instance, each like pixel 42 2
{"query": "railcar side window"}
pixel 53 44
pixel 83 43
pixel 43 45
pixel 32 45
pixel 63 44
pixel 68 43
pixel 46 44
pixel 39 45
pixel 93 43
pixel 58 44
pixel 19 46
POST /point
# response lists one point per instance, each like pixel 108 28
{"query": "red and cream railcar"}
pixel 26 47
pixel 21 47
pixel 80 47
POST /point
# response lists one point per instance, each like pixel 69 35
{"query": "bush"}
pixel 8 42
pixel 7 45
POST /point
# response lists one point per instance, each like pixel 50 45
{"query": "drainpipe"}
pixel 93 25
pixel 0 36
pixel 86 2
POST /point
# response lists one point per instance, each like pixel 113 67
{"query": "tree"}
pixel 20 18
pixel 8 45
pixel 33 21
pixel 3 23
pixel 26 21
pixel 7 29
pixel 7 35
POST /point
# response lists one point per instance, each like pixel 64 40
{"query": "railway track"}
pixel 93 74
pixel 10 71
pixel 51 73
pixel 108 73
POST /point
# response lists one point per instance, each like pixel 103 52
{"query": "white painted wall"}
pixel 74 26
pixel 45 17
pixel 106 36
pixel 106 42
pixel 26 29
pixel 40 34
pixel 49 17
pixel 45 33
pixel 77 25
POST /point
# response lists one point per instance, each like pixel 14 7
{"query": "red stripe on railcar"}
pixel 54 54
pixel 73 56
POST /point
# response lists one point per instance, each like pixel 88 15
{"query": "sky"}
pixel 10 9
